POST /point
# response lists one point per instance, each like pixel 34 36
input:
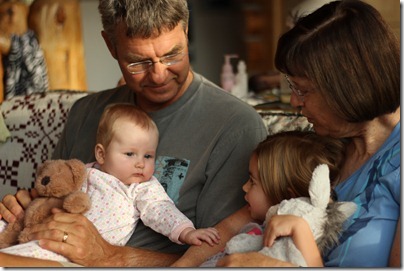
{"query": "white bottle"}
pixel 227 78
pixel 240 88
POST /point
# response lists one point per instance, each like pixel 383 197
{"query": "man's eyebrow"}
pixel 176 49
pixel 137 58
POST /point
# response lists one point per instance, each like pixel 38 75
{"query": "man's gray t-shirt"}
pixel 206 139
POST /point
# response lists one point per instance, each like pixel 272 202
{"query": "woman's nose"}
pixel 295 100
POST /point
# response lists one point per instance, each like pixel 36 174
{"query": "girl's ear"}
pixel 100 154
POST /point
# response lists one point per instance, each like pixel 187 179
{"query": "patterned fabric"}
pixel 25 67
pixel 35 122
pixel 4 132
pixel 277 121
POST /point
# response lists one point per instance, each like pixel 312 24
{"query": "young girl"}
pixel 281 168
pixel 122 187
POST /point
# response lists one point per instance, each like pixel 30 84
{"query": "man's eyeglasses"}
pixel 143 66
pixel 298 92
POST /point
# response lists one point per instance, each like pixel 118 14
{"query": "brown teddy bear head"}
pixel 58 178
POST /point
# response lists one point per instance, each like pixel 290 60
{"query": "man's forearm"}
pixel 8 260
pixel 227 228
pixel 124 257
pixel 136 257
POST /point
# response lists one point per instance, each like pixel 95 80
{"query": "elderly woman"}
pixel 342 63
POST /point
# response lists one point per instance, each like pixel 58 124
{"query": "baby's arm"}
pixel 299 230
pixel 192 236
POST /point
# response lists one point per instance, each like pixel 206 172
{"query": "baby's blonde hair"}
pixel 118 111
pixel 286 162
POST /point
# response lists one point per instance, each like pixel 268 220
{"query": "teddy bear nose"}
pixel 45 180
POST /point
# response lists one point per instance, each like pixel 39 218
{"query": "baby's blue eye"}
pixel 130 154
pixel 148 156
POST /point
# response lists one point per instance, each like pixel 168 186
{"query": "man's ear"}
pixel 109 43
pixel 99 154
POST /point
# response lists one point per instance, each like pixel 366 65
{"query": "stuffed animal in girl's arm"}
pixel 325 219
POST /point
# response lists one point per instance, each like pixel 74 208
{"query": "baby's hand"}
pixel 195 237
pixel 280 225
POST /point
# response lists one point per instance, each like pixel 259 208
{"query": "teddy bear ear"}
pixel 41 167
pixel 78 169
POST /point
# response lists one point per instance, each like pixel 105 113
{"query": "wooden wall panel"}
pixel 265 21
pixel 57 24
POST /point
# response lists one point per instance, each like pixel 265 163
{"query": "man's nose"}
pixel 158 72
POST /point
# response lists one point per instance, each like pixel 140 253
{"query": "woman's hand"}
pixel 299 230
pixel 281 225
pixel 12 207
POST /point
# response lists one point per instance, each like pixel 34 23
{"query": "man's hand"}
pixel 83 245
pixel 13 206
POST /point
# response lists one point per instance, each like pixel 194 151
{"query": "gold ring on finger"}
pixel 65 236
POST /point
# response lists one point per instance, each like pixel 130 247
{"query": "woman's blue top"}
pixel 375 188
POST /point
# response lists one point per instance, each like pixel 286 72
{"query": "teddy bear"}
pixel 325 219
pixel 58 183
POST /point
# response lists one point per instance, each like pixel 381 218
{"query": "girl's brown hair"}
pixel 286 161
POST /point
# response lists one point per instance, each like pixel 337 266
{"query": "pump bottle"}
pixel 227 78
pixel 240 88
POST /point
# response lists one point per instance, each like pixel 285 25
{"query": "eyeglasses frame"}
pixel 295 90
pixel 150 63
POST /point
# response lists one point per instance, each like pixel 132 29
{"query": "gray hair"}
pixel 143 18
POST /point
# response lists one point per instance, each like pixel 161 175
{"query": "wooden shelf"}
pixel 265 22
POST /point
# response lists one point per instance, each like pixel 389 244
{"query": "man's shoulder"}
pixel 220 99
pixel 120 93
pixel 101 98
pixel 228 105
